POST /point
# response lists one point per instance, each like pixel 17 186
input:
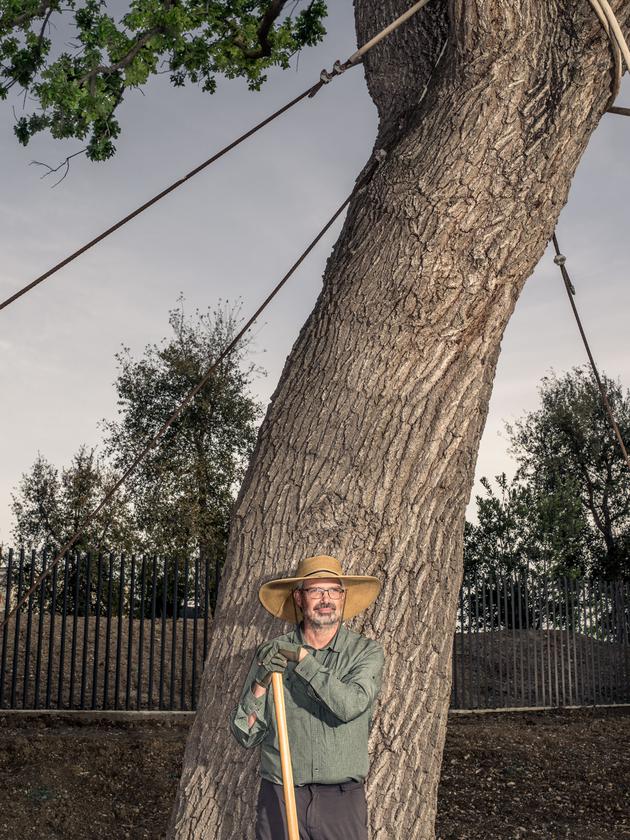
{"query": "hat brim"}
pixel 276 596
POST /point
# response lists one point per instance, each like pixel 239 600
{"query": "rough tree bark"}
pixel 369 445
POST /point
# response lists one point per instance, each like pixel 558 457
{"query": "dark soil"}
pixel 561 774
pixel 551 775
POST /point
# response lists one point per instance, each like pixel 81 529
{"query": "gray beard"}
pixel 324 621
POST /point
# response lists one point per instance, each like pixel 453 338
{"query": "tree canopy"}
pixel 567 509
pixel 183 489
pixel 73 62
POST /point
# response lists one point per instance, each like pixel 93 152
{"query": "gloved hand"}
pixel 290 651
pixel 270 660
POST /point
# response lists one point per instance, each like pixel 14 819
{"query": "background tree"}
pixel 48 506
pixel 184 489
pixel 520 531
pixel 568 440
pixel 567 510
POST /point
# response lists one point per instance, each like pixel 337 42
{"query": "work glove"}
pixel 270 660
pixel 290 651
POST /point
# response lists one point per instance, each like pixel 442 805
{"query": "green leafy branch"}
pixel 76 93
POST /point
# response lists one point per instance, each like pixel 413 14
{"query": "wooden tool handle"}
pixel 285 757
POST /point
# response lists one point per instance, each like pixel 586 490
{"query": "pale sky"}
pixel 232 232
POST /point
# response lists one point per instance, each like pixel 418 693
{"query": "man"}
pixel 331 678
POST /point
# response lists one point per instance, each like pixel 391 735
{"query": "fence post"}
pixel 29 628
pixel 143 585
pixel 130 631
pixel 193 687
pixel 152 640
pixel 108 629
pixel 119 623
pixel 163 640
pixel 493 660
pixel 62 649
pixel 16 632
pixel 523 587
pixel 561 637
pixel 626 628
pixel 182 698
pixel 174 636
pixel 5 630
pixel 206 608
pixel 51 635
pixel 462 660
pixel 75 626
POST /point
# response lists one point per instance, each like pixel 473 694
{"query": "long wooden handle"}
pixel 285 757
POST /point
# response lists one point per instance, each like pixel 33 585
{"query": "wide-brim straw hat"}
pixel 276 596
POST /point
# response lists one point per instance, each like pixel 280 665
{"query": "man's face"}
pixel 320 610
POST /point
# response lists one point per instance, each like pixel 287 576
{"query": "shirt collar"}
pixel 336 643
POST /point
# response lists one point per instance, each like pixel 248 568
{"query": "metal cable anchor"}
pixel 560 261
pixel 326 76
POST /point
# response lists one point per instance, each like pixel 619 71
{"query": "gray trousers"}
pixel 325 812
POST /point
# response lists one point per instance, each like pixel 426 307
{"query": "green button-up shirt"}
pixel 328 698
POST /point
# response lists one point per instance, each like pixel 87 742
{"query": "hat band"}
pixel 330 572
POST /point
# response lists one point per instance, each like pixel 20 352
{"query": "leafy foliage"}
pixel 184 488
pixel 567 510
pixel 49 506
pixel 77 91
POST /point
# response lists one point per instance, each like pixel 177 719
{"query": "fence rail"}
pixel 111 632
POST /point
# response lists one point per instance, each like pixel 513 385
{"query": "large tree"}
pixel 368 448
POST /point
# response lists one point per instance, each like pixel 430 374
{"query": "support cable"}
pixel 192 393
pixel 324 78
pixel 560 261
pixel 618 43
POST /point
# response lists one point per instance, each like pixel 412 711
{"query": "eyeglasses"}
pixel 335 592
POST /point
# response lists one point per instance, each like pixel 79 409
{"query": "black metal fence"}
pixel 541 642
pixel 104 633
pixel 126 633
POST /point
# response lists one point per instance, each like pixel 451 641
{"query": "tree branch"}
pixel 125 61
pixel 51 169
pixel 43 29
pixel 264 28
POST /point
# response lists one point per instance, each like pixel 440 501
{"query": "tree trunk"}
pixel 369 445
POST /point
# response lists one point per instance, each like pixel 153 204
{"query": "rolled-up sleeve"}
pixel 355 692
pixel 249 704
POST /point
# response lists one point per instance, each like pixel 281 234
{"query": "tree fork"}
pixel 369 445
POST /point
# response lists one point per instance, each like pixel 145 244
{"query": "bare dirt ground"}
pixel 506 776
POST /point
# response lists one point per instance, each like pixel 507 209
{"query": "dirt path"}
pixel 505 776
